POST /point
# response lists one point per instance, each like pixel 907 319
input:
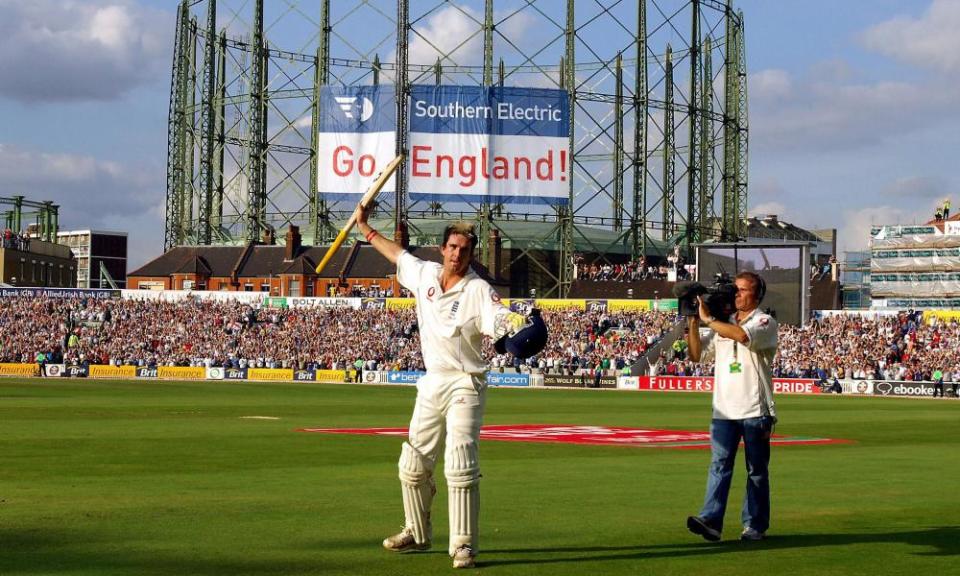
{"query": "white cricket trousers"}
pixel 449 407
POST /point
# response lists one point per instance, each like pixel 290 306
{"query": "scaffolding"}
pixel 658 133
pixel 42 218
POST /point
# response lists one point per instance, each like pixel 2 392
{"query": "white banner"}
pixel 323 303
pixel 628 382
pixel 53 370
pixel 374 377
pixel 215 373
pixel 349 161
pixel 859 387
pixel 465 166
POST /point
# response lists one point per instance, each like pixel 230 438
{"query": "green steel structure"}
pixel 18 213
pixel 658 134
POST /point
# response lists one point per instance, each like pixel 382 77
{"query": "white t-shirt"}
pixel 747 392
pixel 452 324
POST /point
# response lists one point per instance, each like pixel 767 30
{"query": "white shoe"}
pixel 464 557
pixel 405 542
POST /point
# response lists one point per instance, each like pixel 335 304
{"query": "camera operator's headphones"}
pixel 760 284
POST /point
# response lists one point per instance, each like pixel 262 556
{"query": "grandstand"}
pixel 589 340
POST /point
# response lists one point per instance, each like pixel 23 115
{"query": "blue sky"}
pixel 853 110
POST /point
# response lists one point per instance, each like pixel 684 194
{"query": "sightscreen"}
pixel 783 267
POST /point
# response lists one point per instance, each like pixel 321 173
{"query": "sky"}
pixel 854 111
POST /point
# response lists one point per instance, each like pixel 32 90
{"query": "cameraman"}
pixel 743 346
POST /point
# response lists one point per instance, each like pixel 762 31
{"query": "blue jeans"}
pixel 725 436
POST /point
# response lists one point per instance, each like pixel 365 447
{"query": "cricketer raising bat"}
pixel 372 192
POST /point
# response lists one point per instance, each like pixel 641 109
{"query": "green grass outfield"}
pixel 141 478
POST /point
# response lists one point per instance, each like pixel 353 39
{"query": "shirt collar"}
pixel 458 287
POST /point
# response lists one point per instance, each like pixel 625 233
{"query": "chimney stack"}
pixel 494 254
pixel 293 243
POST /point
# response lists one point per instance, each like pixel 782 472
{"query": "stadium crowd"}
pixel 632 271
pixel 197 332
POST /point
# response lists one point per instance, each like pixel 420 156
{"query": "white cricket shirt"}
pixel 452 324
pixel 749 392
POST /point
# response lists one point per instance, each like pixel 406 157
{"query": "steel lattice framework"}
pixel 20 213
pixel 658 117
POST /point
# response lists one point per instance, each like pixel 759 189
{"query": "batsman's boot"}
pixel 405 542
pixel 464 557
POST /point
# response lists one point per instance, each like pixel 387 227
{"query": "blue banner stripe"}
pixel 479 110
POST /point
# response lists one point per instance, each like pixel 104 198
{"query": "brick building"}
pixel 288 270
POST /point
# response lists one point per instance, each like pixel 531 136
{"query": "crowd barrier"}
pixel 495 379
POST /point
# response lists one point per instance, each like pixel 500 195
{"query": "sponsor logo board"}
pixel 54 370
pixel 304 376
pixel 147 372
pixel 374 377
pixel 335 376
pixel 234 373
pixel 100 371
pixel 404 377
pixel 915 389
pixel 677 383
pixel 215 373
pixel 859 387
pixel 507 379
pixel 273 374
pixel 323 302
pixel 59 293
pixel 596 435
pixel 79 371
pixel 10 369
pixel 705 384
pixel 628 382
pixel 568 381
pixel 182 372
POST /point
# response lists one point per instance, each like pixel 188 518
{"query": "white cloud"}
pixel 303 122
pixel 768 84
pixel 456 31
pixel 64 50
pixel 854 234
pixel 930 41
pixel 813 116
pixel 91 192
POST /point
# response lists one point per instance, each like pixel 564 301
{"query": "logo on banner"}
pixel 235 374
pixel 353 107
pixel 498 379
pixel 598 306
pixel 404 377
